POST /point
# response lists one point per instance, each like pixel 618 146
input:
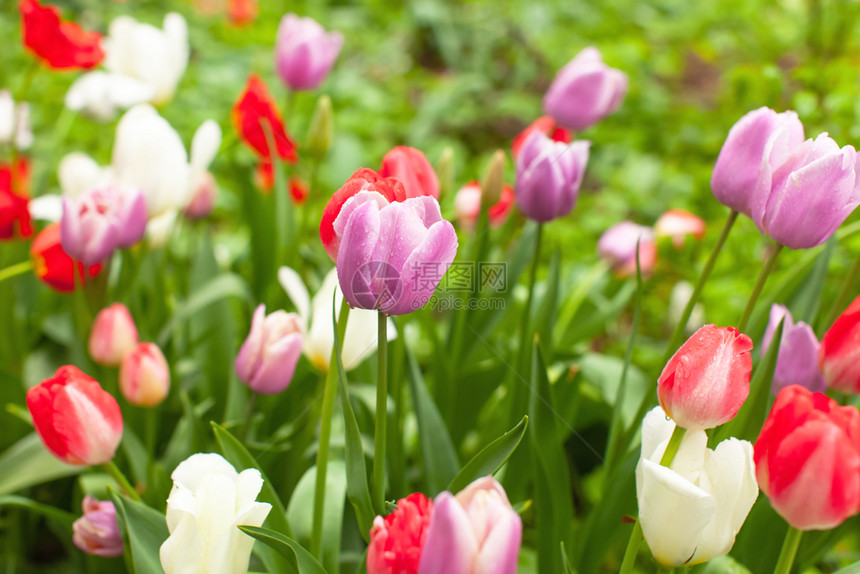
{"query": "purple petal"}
pixel 450 547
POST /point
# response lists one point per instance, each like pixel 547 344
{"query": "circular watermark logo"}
pixel 377 285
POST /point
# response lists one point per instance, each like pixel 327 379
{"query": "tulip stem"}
pixel 759 285
pixel 789 551
pixel 378 495
pixel 673 446
pixel 17 269
pixel 113 470
pixel 678 333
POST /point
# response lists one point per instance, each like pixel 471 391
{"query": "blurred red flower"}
pixel 54 266
pixel 15 220
pixel 257 120
pixel 60 44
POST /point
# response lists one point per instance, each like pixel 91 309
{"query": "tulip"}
pixel 53 265
pixel 392 255
pixel 409 166
pixel 801 201
pixel 60 44
pixel 839 354
pixel 14 122
pixel 96 532
pixel 760 138
pixel 797 362
pixel 144 376
pixel 321 128
pixel 97 223
pixel 100 95
pixel 691 511
pixel 397 540
pixel 617 246
pixel 585 91
pixel 204 189
pixel 474 532
pixel 15 220
pixel 113 335
pixel 545 125
pixel 208 501
pixel 268 357
pixel 467 205
pixel 549 174
pixel 203 198
pixel 807 459
pixel 242 12
pixel 257 120
pixel 76 419
pixel 305 52
pixel 707 380
pixel 678 224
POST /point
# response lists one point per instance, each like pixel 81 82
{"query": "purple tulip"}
pixel 760 139
pixel 801 201
pixel 305 52
pixel 268 357
pixel 797 362
pixel 100 221
pixel 476 531
pixel 617 246
pixel 392 255
pixel 96 532
pixel 549 174
pixel 585 91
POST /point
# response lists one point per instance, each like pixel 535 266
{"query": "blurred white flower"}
pixel 14 122
pixel 100 94
pixel 678 299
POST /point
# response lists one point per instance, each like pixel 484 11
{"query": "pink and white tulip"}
pixel 97 532
pixel 114 334
pixel 94 225
pixel 268 357
pixel 144 376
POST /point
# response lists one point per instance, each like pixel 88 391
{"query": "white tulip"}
pixel 692 512
pixel 14 122
pixel 100 95
pixel 208 502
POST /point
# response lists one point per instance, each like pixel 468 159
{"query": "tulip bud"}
pixel 53 266
pixel 397 540
pixel 321 130
pixel 678 224
pixel 445 170
pixel 707 380
pixel 409 166
pixel 617 246
pixel 268 357
pixel 797 361
pixel 96 532
pixel 76 419
pixel 493 180
pixel 304 52
pixel 839 354
pixel 100 221
pixel 113 335
pixel 144 376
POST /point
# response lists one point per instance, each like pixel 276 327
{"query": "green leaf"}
pixel 28 462
pixel 300 510
pixel 288 547
pixel 146 531
pixel 491 458
pixel 61 516
pixel 807 300
pixel 853 569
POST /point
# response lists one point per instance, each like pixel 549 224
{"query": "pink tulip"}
pixel 797 362
pixel 113 335
pixel 268 357
pixel 96 532
pixel 617 246
pixel 100 221
pixel 305 52
pixel 144 376
pixel 678 224
pixel 409 166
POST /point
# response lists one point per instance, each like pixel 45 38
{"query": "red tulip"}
pixel 242 12
pixel 545 125
pixel 411 168
pixel 14 201
pixel 257 121
pixel 467 204
pixel 397 540
pixel 807 459
pixel 54 266
pixel 839 354
pixel 79 422
pixel 60 44
pixel 707 380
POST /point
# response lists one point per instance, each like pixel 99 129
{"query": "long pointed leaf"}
pixel 491 458
pixel 288 547
pixel 146 531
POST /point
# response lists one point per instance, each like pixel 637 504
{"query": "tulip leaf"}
pixel 300 510
pixel 28 462
pixel 491 458
pixel 61 516
pixel 145 531
pixel 852 569
pixel 292 550
pixel 807 300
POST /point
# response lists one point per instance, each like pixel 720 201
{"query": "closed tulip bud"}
pixel 304 52
pixel 585 91
pixel 268 357
pixel 467 205
pixel 797 362
pixel 678 224
pixel 445 170
pixel 53 265
pixel 493 180
pixel 692 510
pixel 144 376
pixel 100 221
pixel 96 532
pixel 410 167
pixel 397 540
pixel 113 335
pixel 545 125
pixel 807 459
pixel 549 175
pixel 208 501
pixel 839 354
pixel 617 246
pixel 78 421
pixel 321 130
pixel 707 380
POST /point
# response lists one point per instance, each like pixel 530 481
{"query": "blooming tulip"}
pixel 144 377
pixel 77 420
pixel 467 204
pixel 545 125
pixel 678 224
pixel 410 167
pixel 14 122
pixel 585 91
pixel 807 459
pixel 96 532
pixel 691 511
pixel 797 362
pixel 208 501
pixel 549 174
pixel 113 335
pixel 257 120
pixel 54 266
pixel 15 220
pixel 305 52
pixel 760 139
pixel 100 221
pixel 397 540
pixel 839 354
pixel 617 246
pixel 268 357
pixel 392 255
pixel 707 380
pixel 60 44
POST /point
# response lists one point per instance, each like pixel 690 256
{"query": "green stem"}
pixel 759 285
pixel 17 269
pixel 112 469
pixel 378 493
pixel 789 551
pixel 673 446
pixel 329 395
pixel 678 333
pixel 847 289
pixel 249 412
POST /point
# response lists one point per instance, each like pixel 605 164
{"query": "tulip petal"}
pixel 357 245
pixel 297 292
pixel 425 267
pixel 205 144
pixel 450 547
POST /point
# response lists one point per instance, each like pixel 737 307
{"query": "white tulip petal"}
pixel 46 208
pixel 159 228
pixel 7 116
pixel 297 292
pixel 205 144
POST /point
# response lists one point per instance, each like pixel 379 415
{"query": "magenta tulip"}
pixel 305 52
pixel 268 357
pixel 100 221
pixel 797 362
